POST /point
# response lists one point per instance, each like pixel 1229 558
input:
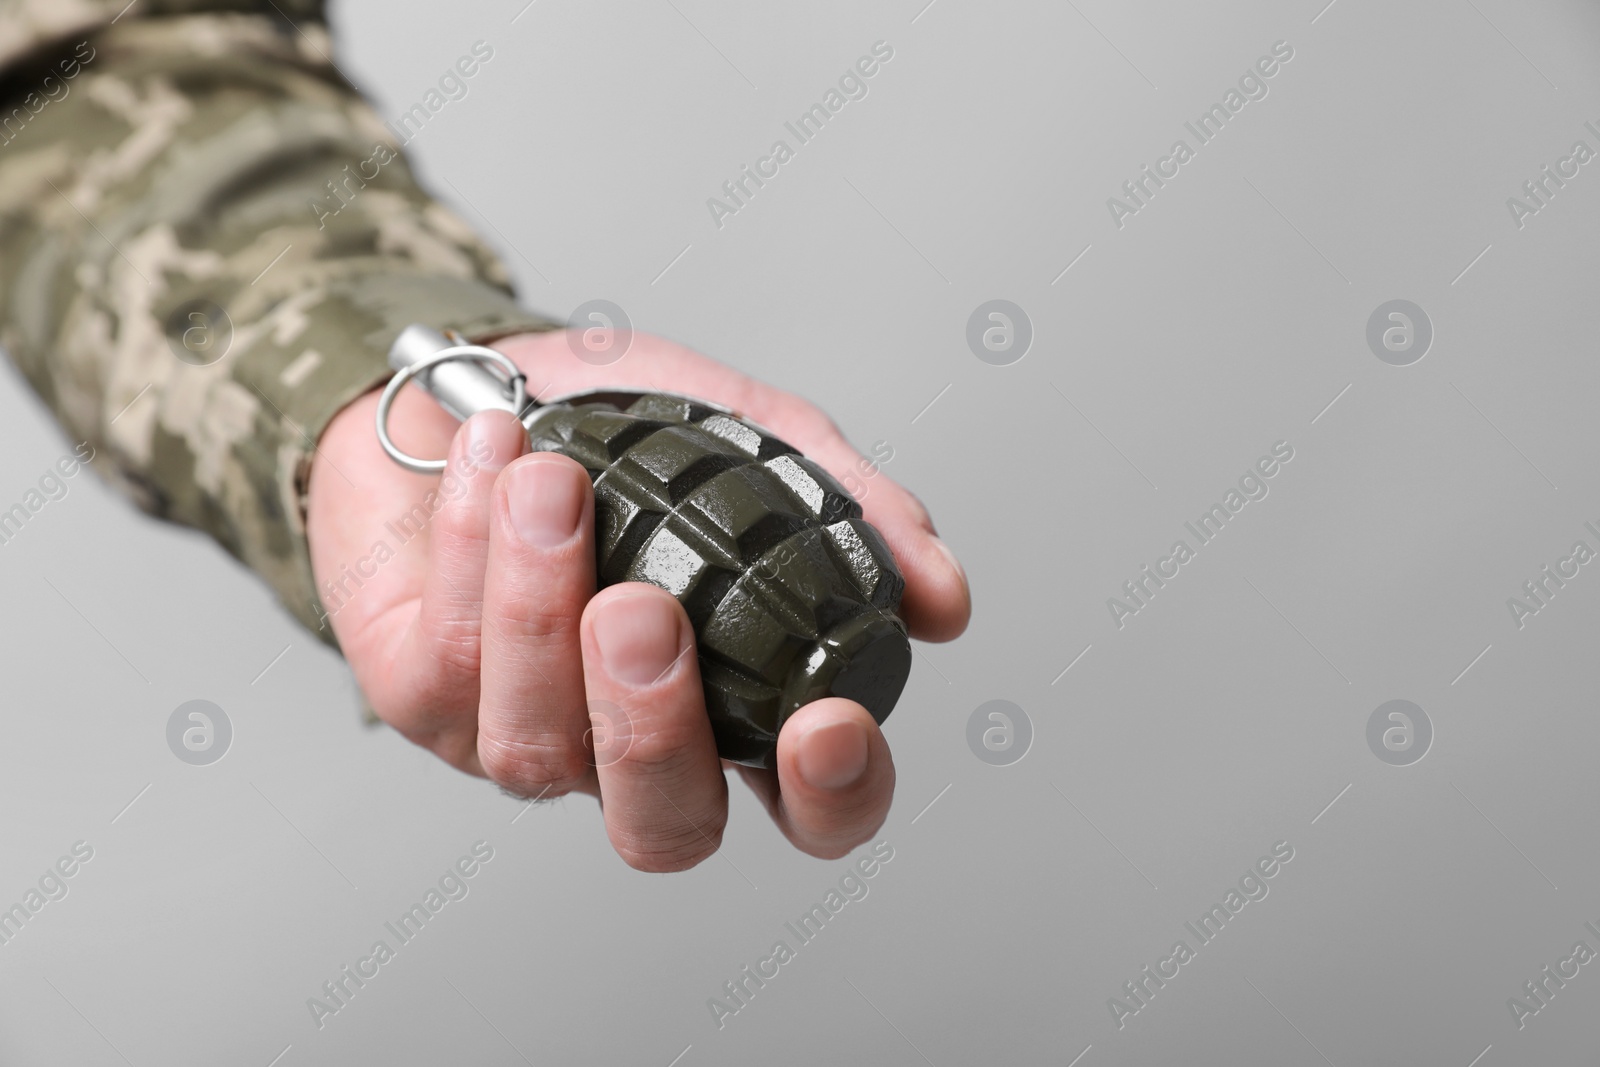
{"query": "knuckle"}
pixel 820 420
pixel 549 767
pixel 460 525
pixel 451 638
pixel 445 741
pixel 745 396
pixel 664 752
pixel 526 619
pixel 420 722
pixel 436 705
pixel 828 423
pixel 456 652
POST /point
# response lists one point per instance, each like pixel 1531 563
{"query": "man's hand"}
pixel 479 634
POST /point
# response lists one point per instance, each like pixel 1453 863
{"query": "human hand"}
pixel 474 627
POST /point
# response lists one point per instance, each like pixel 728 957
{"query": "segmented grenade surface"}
pixel 765 550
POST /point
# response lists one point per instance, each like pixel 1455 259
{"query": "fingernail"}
pixel 638 638
pixel 950 557
pixel 546 502
pixel 492 441
pixel 833 756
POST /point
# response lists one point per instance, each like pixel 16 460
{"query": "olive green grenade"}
pixel 793 596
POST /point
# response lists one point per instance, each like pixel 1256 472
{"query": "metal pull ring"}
pixel 471 353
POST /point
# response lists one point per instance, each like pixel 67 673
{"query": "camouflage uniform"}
pixel 166 283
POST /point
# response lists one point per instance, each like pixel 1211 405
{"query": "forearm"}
pixel 172 282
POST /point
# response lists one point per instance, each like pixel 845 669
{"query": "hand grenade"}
pixel 793 596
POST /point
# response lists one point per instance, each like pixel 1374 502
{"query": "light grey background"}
pixel 1178 349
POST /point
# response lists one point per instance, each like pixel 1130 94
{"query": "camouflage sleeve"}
pixel 207 243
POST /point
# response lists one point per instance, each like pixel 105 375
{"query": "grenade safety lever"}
pixel 793 595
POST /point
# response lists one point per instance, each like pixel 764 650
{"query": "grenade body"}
pixel 793 596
